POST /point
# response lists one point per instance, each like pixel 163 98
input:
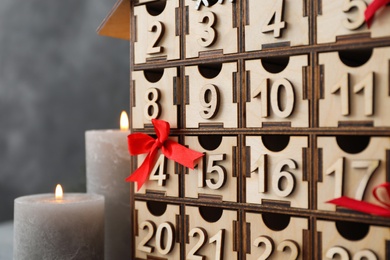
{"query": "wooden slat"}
pixel 117 22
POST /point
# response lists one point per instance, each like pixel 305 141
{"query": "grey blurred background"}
pixel 58 78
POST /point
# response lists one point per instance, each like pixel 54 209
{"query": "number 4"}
pixel 275 20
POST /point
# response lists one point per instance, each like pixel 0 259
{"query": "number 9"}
pixel 209 100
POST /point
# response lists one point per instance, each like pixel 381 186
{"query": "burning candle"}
pixel 108 164
pixel 60 226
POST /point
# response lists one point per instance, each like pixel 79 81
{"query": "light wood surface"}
pixel 117 22
pixel 203 106
pixel 275 22
pixel 164 178
pixel 277 176
pixel 266 243
pixel 355 94
pixel 334 244
pixel 277 97
pixel 346 18
pixel 155 99
pixel 156 234
pixel 352 175
pixel 219 235
pixel 211 28
pixel 156 36
pixel 215 172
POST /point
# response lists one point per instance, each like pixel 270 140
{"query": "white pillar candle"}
pixel 67 228
pixel 108 164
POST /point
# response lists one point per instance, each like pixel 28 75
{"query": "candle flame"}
pixel 59 192
pixel 124 121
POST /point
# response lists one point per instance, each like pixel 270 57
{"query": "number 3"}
pixel 360 5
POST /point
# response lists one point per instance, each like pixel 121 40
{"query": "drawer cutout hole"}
pixel 355 58
pixel 275 143
pixel 210 214
pixel 352 231
pixel 156 8
pixel 276 222
pixel 210 70
pixel 353 144
pixel 153 75
pixel 210 142
pixel 275 64
pixel 156 208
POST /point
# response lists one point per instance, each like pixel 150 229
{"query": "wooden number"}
pixel 143 245
pixel 338 169
pixel 202 240
pixel 206 3
pixel 367 84
pixel 277 176
pixel 365 254
pixel 337 250
pixel 371 166
pixel 294 248
pixel 209 100
pixel 212 168
pixel 164 247
pixel 275 20
pixel 269 246
pixel 261 170
pixel 164 230
pixel 209 34
pixel 158 172
pixel 157 28
pixel 275 98
pixel 350 5
pixel 343 254
pixel 218 239
pixel 343 87
pixel 288 176
pixel 263 91
pixel 219 242
pixel 152 108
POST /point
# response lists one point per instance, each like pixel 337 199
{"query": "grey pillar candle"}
pixel 50 228
pixel 108 164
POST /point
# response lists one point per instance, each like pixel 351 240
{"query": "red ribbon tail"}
pixel 141 174
pixel 372 8
pixel 180 154
pixel 361 206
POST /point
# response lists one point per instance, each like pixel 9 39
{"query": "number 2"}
pixel 157 28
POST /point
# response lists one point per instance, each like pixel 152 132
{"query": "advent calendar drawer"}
pixel 211 233
pixel 157 31
pixel 277 170
pixel 155 95
pixel 349 240
pixel 164 177
pixel 210 28
pixel 157 230
pixel 215 175
pixel 351 166
pixel 343 18
pixel 276 236
pixel 355 88
pixel 211 95
pixel 276 23
pixel 277 92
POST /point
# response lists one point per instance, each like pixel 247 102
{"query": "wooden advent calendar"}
pixel 289 100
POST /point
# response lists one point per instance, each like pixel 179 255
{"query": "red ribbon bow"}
pixel 372 9
pixel 366 207
pixel 140 143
